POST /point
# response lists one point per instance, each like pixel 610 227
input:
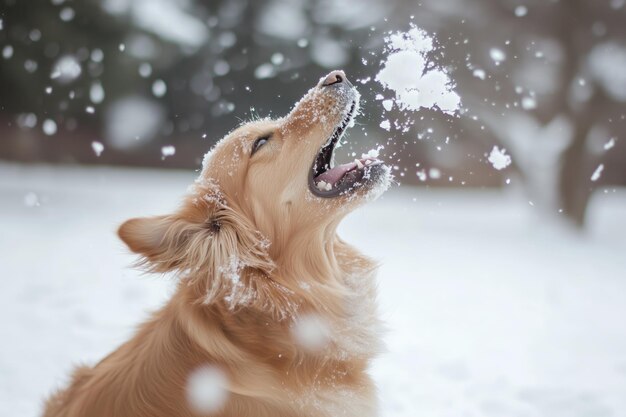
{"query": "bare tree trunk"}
pixel 574 190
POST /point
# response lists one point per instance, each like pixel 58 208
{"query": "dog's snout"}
pixel 335 77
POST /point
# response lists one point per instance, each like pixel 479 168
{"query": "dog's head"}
pixel 266 185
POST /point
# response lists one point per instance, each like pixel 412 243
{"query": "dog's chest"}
pixel 335 401
pixel 359 332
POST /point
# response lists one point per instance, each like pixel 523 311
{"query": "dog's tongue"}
pixel 335 174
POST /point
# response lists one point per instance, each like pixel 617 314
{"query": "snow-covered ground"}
pixel 491 312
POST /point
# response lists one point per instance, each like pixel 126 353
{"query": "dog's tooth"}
pixel 329 187
pixel 359 164
pixel 368 162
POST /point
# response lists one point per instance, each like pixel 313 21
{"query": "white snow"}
pixel 49 127
pixel 498 158
pixel 385 125
pixel 311 332
pixel 265 70
pixel 159 88
pixel 327 52
pixel 283 19
pixel 168 19
pixel 350 14
pixel 497 55
pixel 415 81
pixel 31 65
pixel 609 144
pixel 27 120
pixel 479 73
pixel 96 93
pixel 521 11
pixel 131 120
pixel 207 389
pixel 97 147
pixel 490 312
pixel 324 186
pixel 277 58
pixel 597 173
pixel 66 69
pixel 145 70
pixel 227 39
pixel 7 51
pixel 221 68
pixel 538 149
pixel 97 55
pixel 529 103
pixel 434 173
pixel 372 153
pixel 67 14
pixel 35 35
pixel 167 150
pixel 240 294
pixel 31 200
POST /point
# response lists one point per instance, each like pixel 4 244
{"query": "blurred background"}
pixel 505 288
pixel 139 75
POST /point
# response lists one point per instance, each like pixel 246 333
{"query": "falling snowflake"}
pixel 499 159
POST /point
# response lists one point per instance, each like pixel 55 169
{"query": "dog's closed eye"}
pixel 259 143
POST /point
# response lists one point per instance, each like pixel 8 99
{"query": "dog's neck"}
pixel 309 248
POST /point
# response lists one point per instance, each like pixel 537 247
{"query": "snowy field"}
pixel 491 312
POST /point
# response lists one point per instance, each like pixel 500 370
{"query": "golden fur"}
pixel 255 251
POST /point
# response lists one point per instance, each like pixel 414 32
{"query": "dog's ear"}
pixel 211 243
pixel 157 239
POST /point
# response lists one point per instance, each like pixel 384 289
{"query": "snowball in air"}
pixel 414 80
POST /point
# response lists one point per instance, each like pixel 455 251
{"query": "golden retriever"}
pixel 274 315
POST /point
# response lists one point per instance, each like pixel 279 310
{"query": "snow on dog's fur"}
pixel 272 307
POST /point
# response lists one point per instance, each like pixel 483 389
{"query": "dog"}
pixel 273 315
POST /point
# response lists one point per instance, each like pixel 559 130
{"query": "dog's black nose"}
pixel 334 77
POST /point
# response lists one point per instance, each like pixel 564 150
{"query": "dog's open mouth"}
pixel 329 180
